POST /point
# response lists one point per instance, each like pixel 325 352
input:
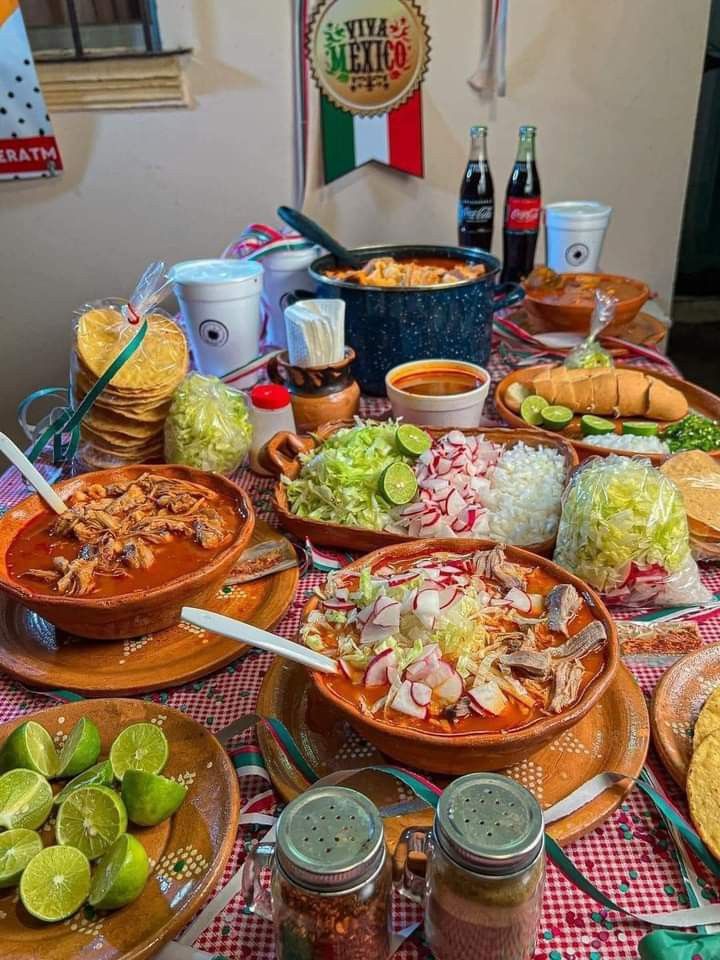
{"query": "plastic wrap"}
pixel 125 423
pixel 697 475
pixel 623 529
pixel 208 426
pixel 589 353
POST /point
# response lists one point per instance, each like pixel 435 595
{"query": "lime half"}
pixel 595 426
pixel 149 798
pixel 101 775
pixel 55 883
pixel 141 746
pixel 30 747
pixel 17 848
pixel 120 875
pixel 25 799
pixel 81 749
pixel 531 409
pixel 398 483
pixel 412 440
pixel 556 417
pixel 91 819
pixel 640 428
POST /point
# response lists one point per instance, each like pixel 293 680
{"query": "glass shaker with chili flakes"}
pixel 331 880
pixel 484 870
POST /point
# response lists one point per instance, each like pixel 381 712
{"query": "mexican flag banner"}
pixel 27 144
pixel 368 59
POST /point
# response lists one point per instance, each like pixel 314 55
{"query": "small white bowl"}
pixel 443 410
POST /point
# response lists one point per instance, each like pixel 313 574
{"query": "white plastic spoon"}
pixel 246 633
pixel 31 474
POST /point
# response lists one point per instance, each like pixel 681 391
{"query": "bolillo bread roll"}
pixel 618 393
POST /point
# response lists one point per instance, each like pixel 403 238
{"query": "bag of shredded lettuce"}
pixel 207 426
pixel 623 530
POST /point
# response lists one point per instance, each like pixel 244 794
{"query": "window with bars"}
pixel 83 29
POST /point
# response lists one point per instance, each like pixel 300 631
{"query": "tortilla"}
pixel 703 791
pixel 709 718
pixel 161 358
pixel 697 474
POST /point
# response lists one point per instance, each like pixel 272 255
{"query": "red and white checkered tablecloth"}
pixel 630 857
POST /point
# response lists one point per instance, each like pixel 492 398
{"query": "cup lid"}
pixel 270 396
pixel 214 271
pixel 577 209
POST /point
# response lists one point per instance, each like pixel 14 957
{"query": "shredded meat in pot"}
pixel 119 524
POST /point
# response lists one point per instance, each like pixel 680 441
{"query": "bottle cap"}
pixel 269 396
pixel 478 128
pixel 489 824
pixel 330 839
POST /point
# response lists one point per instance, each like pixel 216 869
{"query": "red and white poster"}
pixel 28 147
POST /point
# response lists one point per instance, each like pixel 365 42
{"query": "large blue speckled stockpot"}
pixel 391 325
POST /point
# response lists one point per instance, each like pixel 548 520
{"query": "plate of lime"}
pixel 117 818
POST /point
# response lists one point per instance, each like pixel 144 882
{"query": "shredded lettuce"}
pixel 620 511
pixel 339 482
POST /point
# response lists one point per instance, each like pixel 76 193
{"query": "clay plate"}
pixel 614 735
pixel 699 400
pixel 466 753
pixel 282 456
pixel 33 651
pixel 644 329
pixel 189 851
pixel 675 706
pixel 142 611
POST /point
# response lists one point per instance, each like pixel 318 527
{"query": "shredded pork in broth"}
pixel 389 272
pixel 118 529
pixel 458 642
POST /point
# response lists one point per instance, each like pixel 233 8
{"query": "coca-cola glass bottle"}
pixel 522 211
pixel 476 207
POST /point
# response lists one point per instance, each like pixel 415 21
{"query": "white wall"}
pixel 612 87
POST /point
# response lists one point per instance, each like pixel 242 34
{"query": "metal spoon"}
pixel 31 474
pixel 313 231
pixel 246 633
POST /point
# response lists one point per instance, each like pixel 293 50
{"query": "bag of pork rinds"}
pixel 624 531
pixel 125 423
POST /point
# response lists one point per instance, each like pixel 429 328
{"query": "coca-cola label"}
pixel 522 213
pixel 475 211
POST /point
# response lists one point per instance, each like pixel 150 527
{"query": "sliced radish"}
pixel 346 668
pixel 438 675
pixel 487 697
pixel 335 604
pixel 376 673
pixel 387 613
pixel 450 690
pixel 421 694
pixel 519 599
pixel 403 702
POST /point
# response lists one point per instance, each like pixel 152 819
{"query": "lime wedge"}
pixel 397 483
pixel 120 874
pixel 81 749
pixel 595 426
pixel 150 798
pixel 91 819
pixel 411 440
pixel 30 747
pixel 531 409
pixel 55 883
pixel 141 746
pixel 101 775
pixel 25 799
pixel 640 428
pixel 556 418
pixel 17 848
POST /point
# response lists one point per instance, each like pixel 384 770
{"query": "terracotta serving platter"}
pixel 676 703
pixel 700 401
pixel 614 736
pixel 35 652
pixel 643 329
pixel 188 853
pixel 284 448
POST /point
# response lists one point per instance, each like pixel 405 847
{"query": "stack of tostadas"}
pixel 126 422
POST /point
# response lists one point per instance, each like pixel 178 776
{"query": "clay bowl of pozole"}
pixel 136 545
pixel 460 657
pixel 565 301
